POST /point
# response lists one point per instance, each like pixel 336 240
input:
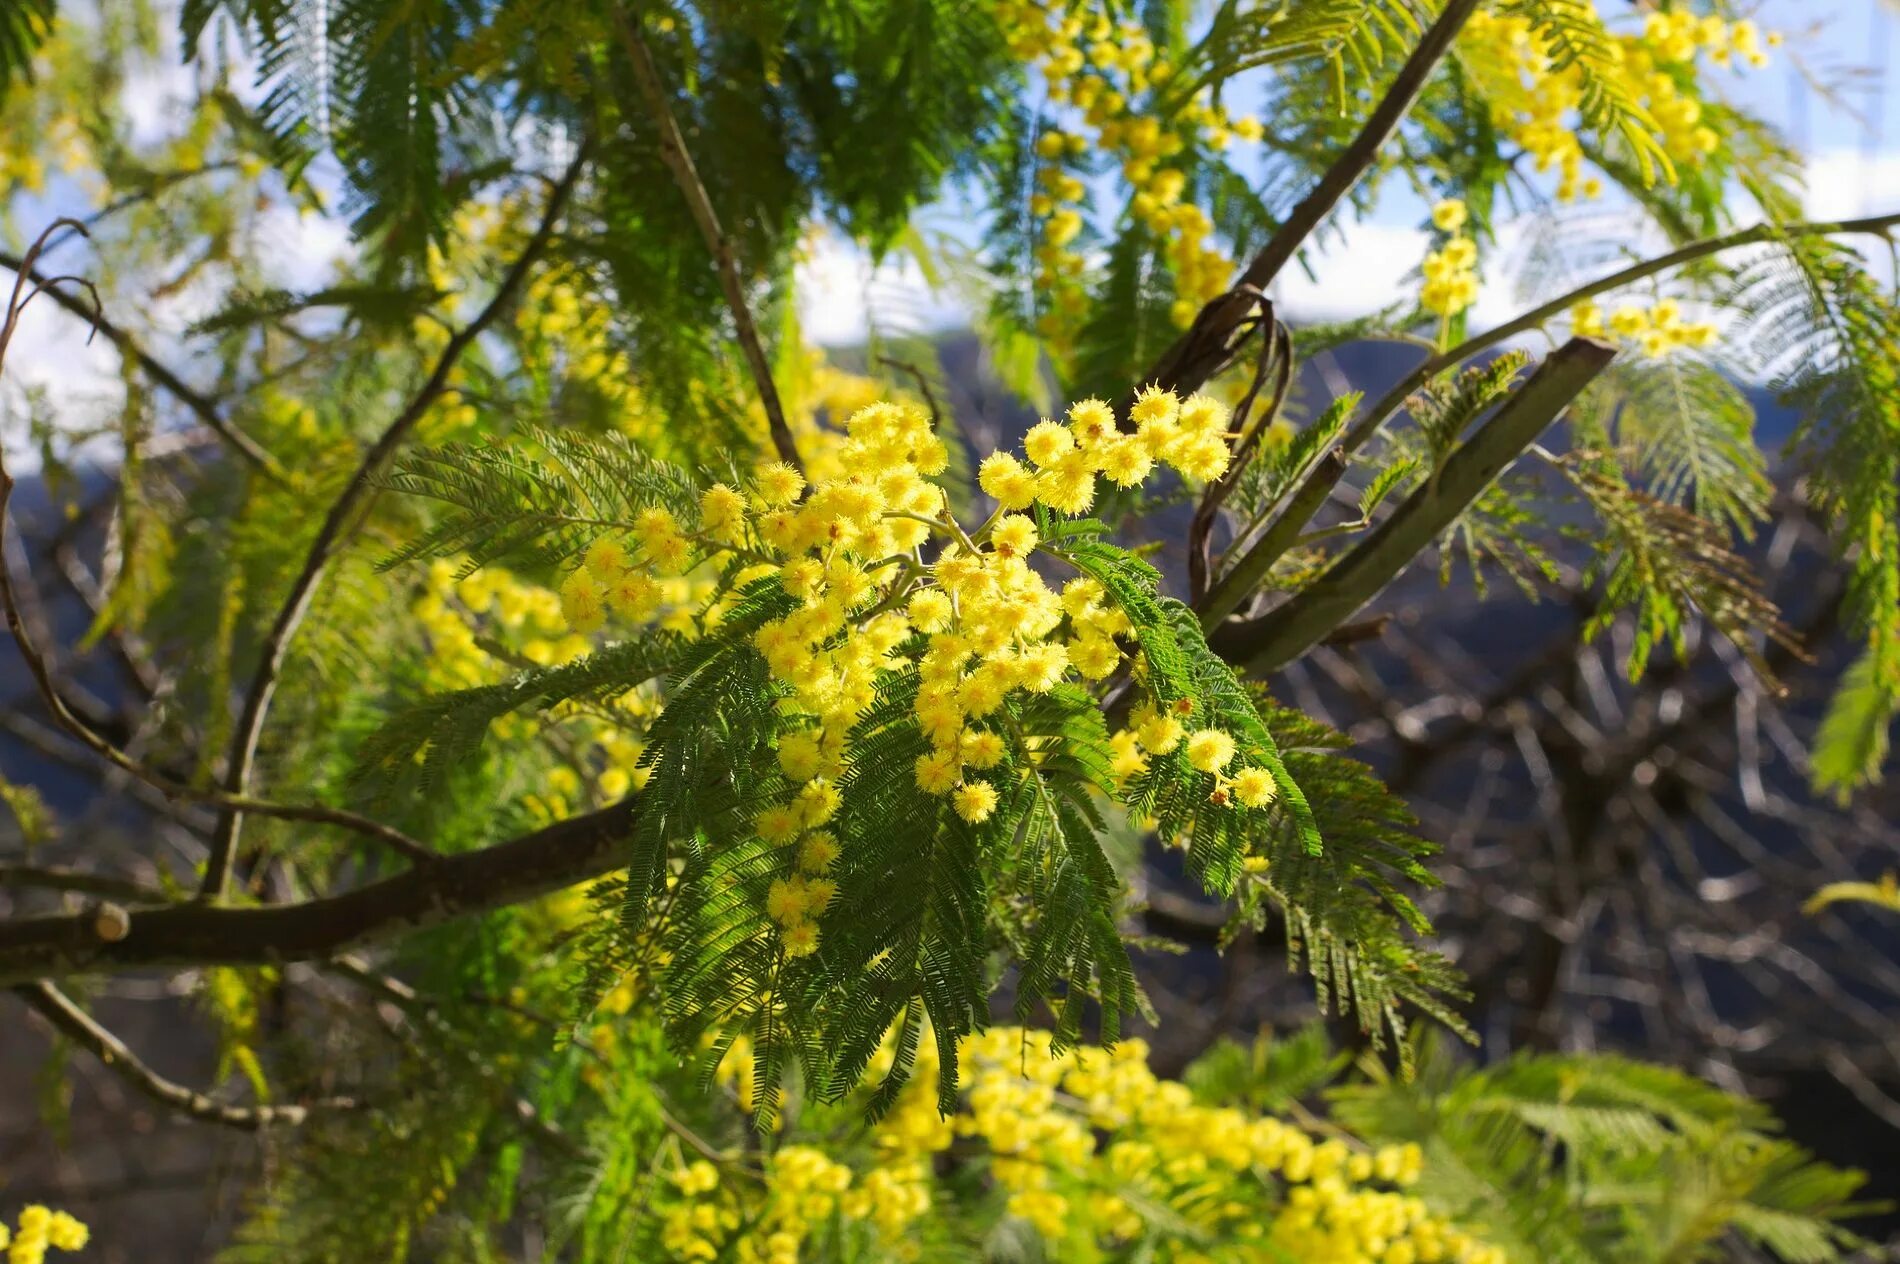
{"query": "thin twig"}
pixel 55 699
pixel 83 1030
pixel 1276 361
pixel 200 404
pixel 679 160
pixel 337 527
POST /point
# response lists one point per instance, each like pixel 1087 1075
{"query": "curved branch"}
pixel 1369 422
pixel 83 1030
pixel 198 934
pixel 337 526
pixel 163 377
pixel 1196 355
pixel 1373 419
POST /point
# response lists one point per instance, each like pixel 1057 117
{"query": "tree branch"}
pixel 1197 354
pixel 1373 419
pixel 1368 423
pixel 127 346
pixel 60 878
pixel 337 527
pixel 83 1030
pixel 1288 631
pixel 55 699
pixel 680 162
pixel 1246 575
pixel 199 934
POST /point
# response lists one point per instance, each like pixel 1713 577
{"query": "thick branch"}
pixel 198 934
pixel 1196 355
pixel 78 1026
pixel 679 160
pixel 337 526
pixel 1245 576
pixel 1288 631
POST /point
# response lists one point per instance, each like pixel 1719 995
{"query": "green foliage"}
pixel 433 736
pixel 1663 562
pixel 1851 746
pixel 536 507
pixel 1272 1073
pixel 1356 36
pixel 1530 1148
pixel 23 27
pixel 1813 312
pixel 1445 407
pixel 1692 432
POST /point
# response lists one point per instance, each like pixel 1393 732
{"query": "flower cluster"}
pixel 1093 1152
pixel 1451 271
pixel 978 622
pixel 1657 330
pixel 1678 35
pixel 1536 95
pixel 1102 68
pixel 475 625
pixel 41 1228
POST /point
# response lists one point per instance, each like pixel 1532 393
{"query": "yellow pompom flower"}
pixel 1449 215
pixel 1091 421
pixel 1158 734
pixel 1209 750
pixel 974 801
pixel 819 850
pixel 1014 536
pixel 722 513
pixel 800 939
pixel 1003 477
pixel 776 484
pixel 930 611
pixel 583 604
pixel 606 558
pixel 1255 787
pixel 1047 443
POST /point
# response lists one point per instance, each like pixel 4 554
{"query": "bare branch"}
pixel 127 346
pixel 78 1026
pixel 1197 354
pixel 337 527
pixel 560 855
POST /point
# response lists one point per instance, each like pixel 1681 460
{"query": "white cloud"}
pixel 842 295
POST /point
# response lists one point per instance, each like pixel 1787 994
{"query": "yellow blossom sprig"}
pixel 1110 75
pixel 976 621
pixel 1656 330
pixel 1451 277
pixel 1092 1151
pixel 40 1229
pixel 1537 96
